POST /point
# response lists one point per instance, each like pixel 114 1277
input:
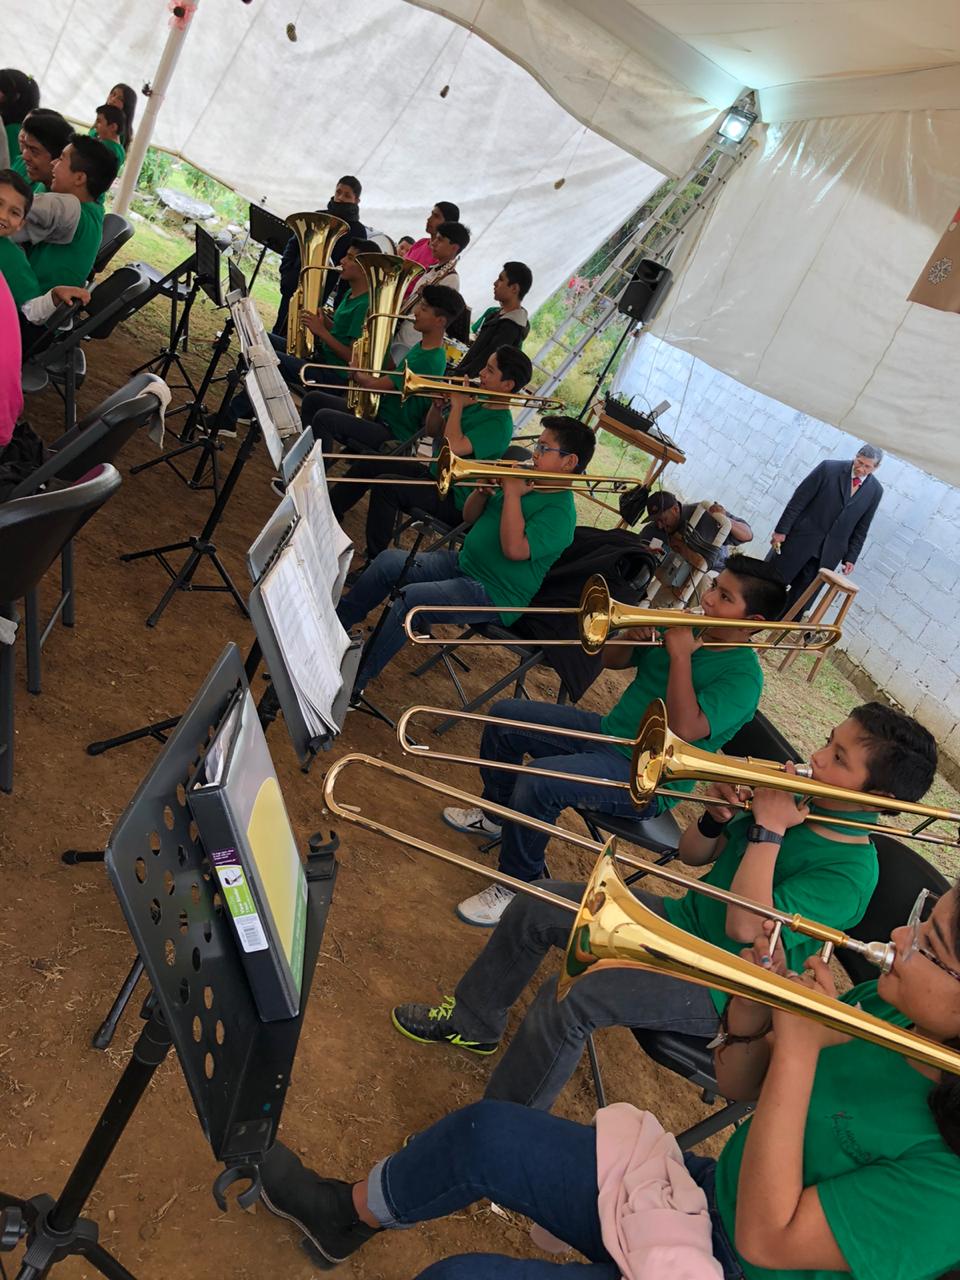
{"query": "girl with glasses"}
pixel 849 1165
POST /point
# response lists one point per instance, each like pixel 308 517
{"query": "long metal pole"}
pixel 144 133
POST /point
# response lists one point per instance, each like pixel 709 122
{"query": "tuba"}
pixel 316 234
pixel 387 278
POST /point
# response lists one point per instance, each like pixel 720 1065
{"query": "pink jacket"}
pixel 11 396
pixel 653 1217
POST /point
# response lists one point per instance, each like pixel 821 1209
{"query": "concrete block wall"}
pixel 749 452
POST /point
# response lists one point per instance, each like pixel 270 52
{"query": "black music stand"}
pixel 169 355
pixel 269 231
pixel 237 1068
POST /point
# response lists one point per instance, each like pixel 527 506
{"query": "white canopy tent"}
pixel 799 281
pixel 358 92
pixel 798 285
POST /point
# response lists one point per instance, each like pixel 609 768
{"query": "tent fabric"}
pixel 358 92
pixel 798 285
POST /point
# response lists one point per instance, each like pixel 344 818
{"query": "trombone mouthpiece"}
pixel 880 954
pixel 804 770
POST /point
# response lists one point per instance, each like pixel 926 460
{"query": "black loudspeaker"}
pixel 645 293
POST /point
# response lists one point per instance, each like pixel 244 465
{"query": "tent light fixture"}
pixel 736 124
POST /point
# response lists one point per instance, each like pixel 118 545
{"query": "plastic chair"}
pixel 116 232
pixel 97 439
pixel 58 358
pixel 32 533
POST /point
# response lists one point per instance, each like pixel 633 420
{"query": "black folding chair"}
pixel 32 533
pixel 96 439
pixel 58 358
pixel 116 232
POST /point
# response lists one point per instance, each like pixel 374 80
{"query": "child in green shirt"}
pixel 16 197
pixel 111 127
pixel 81 174
pixel 516 535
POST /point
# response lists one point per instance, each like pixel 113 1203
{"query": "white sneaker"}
pixel 485 908
pixel 473 821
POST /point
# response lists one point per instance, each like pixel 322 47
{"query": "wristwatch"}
pixel 763 835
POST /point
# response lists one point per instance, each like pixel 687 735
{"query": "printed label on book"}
pixel 239 900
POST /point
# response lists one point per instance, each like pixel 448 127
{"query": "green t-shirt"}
pixel 489 431
pixel 70 263
pixel 347 325
pixel 827 880
pixel 727 682
pixel 17 272
pixel 888 1184
pixel 405 417
pixel 13 142
pixel 117 149
pixel 17 165
pixel 549 521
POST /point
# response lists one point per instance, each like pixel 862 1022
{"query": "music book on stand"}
pixel 239 810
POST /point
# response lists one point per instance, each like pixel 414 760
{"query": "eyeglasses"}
pixel 540 447
pixel 922 908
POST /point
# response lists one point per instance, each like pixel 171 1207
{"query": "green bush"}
pixel 156 169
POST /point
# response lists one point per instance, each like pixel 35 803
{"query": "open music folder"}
pixel 311 496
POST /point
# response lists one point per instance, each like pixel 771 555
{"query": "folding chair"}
pixel 116 232
pixel 58 357
pixel 32 533
pixel 96 439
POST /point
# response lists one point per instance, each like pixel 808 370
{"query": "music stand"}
pixel 269 231
pixel 237 1068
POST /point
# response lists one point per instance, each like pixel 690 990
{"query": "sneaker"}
pixel 473 821
pixel 322 1208
pixel 485 908
pixel 278 487
pixel 436 1026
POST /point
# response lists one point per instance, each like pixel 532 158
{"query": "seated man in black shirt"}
pixel 669 518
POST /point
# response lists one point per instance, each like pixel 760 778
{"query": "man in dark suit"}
pixel 826 521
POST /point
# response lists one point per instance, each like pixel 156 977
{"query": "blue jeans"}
pixel 522 850
pixel 531 1162
pixel 545 1049
pixel 433 578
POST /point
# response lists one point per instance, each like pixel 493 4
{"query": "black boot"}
pixel 322 1208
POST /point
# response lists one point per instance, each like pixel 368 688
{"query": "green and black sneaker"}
pixel 436 1026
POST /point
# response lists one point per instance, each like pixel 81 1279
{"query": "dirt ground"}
pixel 358 1087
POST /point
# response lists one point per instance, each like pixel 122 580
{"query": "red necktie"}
pixel 856 483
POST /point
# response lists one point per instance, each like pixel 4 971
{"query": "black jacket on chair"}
pixel 625 562
pixel 824 519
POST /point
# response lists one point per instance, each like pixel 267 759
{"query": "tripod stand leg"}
pixel 156 730
pixel 108 1027
pixel 106 1263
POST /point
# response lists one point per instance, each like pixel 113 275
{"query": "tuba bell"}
pixel 387 279
pixel 316 234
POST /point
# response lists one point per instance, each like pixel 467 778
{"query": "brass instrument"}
pixel 658 756
pixel 316 234
pixel 387 281
pixel 613 929
pixel 599 614
pixel 452 470
pixel 419 384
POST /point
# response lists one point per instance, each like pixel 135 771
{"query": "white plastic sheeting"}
pixel 798 285
pixel 359 92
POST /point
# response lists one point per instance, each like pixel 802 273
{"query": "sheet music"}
pixel 311 497
pixel 305 623
pixel 268 393
pixel 271 435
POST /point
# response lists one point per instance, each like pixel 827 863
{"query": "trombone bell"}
pixel 614 930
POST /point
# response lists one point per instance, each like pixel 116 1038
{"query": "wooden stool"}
pixel 836 585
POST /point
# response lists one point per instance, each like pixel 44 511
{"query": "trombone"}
pixel 418 384
pixel 453 470
pixel 614 930
pixel 598 614
pixel 659 757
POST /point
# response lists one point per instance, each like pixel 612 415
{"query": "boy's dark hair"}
pixel 10 178
pixel 572 437
pixel 21 94
pixel 661 500
pixel 519 273
pixel 95 161
pixel 49 128
pixel 444 300
pixel 901 753
pixel 455 231
pixel 450 211
pixel 515 365
pixel 353 183
pixel 113 115
pixel 363 245
pixel 761 585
